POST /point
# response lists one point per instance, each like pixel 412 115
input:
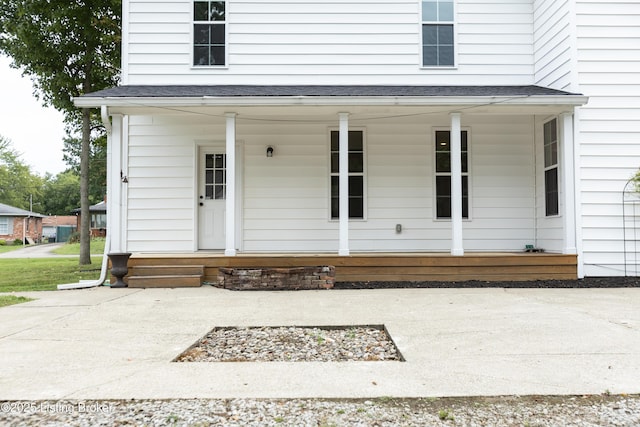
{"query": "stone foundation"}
pixel 287 278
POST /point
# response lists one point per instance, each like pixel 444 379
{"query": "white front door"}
pixel 211 197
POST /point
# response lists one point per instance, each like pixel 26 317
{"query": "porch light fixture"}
pixel 269 151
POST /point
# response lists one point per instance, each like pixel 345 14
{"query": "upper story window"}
pixel 551 168
pixel 209 33
pixel 437 33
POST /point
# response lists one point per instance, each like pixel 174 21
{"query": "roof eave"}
pixel 203 101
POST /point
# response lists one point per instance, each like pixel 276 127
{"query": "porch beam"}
pixel 456 186
pixel 344 184
pixel 568 183
pixel 230 202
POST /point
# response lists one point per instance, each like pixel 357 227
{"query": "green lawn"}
pixel 97 247
pixel 9 248
pixel 44 274
pixel 6 300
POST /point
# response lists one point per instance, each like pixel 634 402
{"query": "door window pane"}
pixel 215 176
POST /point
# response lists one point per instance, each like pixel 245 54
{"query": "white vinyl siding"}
pixel 609 130
pixel 161 179
pixel 314 42
pixel 553 50
pixel 286 197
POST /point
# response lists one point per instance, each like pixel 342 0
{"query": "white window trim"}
pixel 365 160
pixel 469 173
pixel 226 41
pixel 4 222
pixel 455 40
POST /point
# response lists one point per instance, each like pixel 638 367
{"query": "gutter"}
pixel 82 284
pixel 107 244
pixel 202 101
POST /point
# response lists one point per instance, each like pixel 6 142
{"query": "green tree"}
pixel 61 193
pixel 97 163
pixel 18 186
pixel 68 49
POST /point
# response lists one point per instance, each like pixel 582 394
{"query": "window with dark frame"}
pixel 437 33
pixel 356 174
pixel 209 33
pixel 443 173
pixel 551 193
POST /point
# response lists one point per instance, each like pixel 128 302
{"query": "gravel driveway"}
pixel 541 411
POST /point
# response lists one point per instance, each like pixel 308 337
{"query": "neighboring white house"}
pixel 407 126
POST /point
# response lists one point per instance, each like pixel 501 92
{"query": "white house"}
pixel 435 129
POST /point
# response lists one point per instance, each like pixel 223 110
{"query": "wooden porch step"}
pixel 167 281
pixel 165 276
pixel 165 270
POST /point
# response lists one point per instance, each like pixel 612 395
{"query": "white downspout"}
pixel 107 243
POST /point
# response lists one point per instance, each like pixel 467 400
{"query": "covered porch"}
pixel 443 183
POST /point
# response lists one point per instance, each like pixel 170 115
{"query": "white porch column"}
pixel 567 181
pixel 344 183
pixel 114 184
pixel 230 206
pixel 456 186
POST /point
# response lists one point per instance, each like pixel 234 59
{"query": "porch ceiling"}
pixel 278 100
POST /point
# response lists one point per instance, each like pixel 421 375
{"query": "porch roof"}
pixel 218 95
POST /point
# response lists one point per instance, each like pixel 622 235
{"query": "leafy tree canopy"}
pixel 67 47
pixel 61 193
pixel 18 186
pixel 97 163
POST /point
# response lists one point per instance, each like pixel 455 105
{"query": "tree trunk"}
pixel 85 214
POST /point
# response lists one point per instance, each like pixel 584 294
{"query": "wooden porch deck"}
pixel 372 267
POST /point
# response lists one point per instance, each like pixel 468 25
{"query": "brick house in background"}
pixel 16 223
pixel 57 228
pixel 98 219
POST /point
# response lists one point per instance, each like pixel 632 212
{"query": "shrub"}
pixel 3 242
pixel 74 237
pixel 17 242
pixel 636 181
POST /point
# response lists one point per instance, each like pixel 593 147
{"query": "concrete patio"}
pixel 106 343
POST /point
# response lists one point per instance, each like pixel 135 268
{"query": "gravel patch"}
pixel 293 344
pixel 540 411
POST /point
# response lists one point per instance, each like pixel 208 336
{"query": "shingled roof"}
pixel 6 210
pixel 173 91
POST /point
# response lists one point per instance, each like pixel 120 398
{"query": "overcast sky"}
pixel 35 131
